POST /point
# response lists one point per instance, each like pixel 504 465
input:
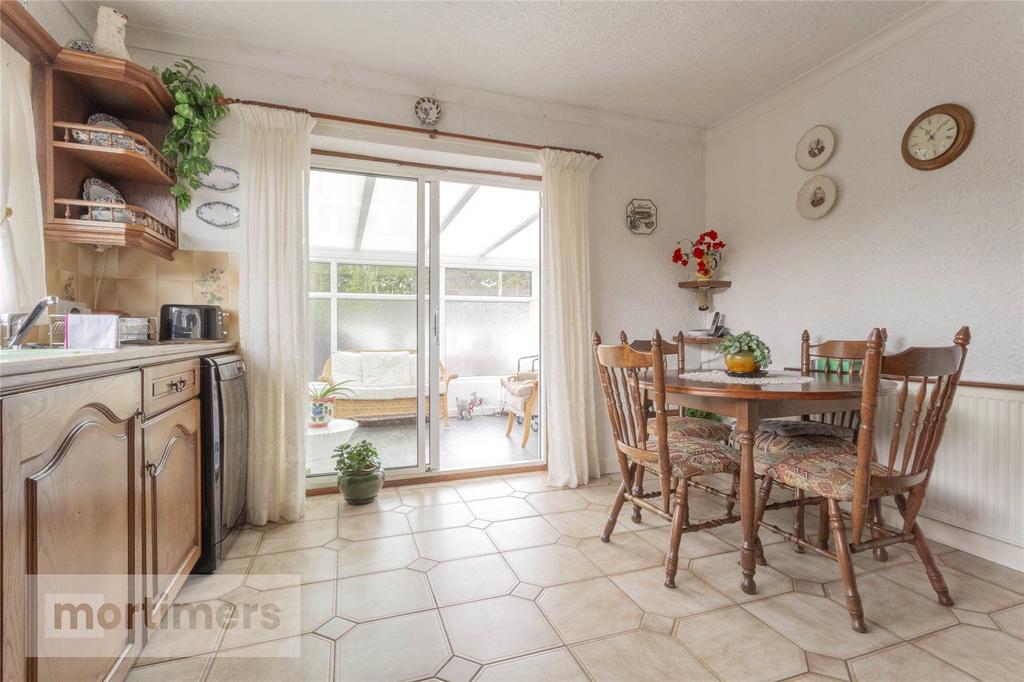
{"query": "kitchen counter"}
pixel 25 369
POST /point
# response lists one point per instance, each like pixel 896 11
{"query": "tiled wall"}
pixel 138 283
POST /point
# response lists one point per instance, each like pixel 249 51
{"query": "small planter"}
pixel 361 487
pixel 742 362
pixel 360 476
pixel 321 411
pixel 745 354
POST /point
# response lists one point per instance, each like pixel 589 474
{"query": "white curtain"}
pixel 22 278
pixel 566 362
pixel 272 306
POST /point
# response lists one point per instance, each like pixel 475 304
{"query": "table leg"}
pixel 746 427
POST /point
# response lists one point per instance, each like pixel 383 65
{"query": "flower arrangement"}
pixel 706 252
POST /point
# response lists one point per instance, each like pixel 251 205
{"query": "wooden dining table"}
pixel 749 403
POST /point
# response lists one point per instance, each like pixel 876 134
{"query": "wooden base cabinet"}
pixel 171 504
pixel 100 502
pixel 71 495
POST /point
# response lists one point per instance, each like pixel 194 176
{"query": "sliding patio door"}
pixel 407 345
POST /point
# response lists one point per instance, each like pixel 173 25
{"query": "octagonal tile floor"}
pixel 503 579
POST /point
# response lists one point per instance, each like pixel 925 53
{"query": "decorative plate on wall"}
pixel 815 147
pixel 219 214
pixel 220 178
pixel 428 111
pixel 816 197
pixel 641 216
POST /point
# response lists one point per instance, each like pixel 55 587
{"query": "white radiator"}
pixel 978 481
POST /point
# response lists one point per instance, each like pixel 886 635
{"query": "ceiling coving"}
pixel 691 63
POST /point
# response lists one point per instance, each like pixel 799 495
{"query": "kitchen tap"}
pixel 22 324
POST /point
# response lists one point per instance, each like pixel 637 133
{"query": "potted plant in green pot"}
pixel 321 401
pixel 745 354
pixel 360 476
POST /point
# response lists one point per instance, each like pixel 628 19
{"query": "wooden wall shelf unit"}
pixel 703 289
pixel 66 91
pixel 706 284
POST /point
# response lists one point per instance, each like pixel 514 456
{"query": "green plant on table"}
pixel 319 391
pixel 358 458
pixel 196 110
pixel 746 343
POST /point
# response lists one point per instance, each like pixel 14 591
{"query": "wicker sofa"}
pixel 383 381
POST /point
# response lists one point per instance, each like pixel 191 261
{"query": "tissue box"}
pixel 94 332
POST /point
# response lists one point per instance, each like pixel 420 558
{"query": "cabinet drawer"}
pixel 165 386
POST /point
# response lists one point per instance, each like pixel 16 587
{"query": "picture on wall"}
pixel 641 216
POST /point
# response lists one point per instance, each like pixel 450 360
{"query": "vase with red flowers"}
pixel 706 253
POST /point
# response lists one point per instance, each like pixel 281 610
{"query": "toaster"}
pixel 191 323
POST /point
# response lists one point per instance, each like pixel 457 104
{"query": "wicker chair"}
pixel 389 407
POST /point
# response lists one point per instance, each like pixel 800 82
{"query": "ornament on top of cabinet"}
pixel 108 40
pixel 816 197
pixel 428 111
pixel 815 147
pixel 937 137
pixel 641 216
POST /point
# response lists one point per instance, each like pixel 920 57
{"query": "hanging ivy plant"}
pixel 188 139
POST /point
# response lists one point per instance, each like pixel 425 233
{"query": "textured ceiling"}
pixel 685 62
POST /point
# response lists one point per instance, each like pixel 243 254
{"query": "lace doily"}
pixel 718 376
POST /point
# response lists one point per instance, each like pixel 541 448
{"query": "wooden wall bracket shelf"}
pixel 703 289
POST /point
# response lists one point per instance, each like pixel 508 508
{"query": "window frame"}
pixel 333 258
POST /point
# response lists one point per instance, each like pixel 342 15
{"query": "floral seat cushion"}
pixel 696 457
pixel 693 427
pixel 773 443
pixel 828 474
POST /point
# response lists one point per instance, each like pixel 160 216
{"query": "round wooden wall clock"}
pixel 937 137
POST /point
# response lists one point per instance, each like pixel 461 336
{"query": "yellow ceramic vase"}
pixel 741 362
pixel 711 264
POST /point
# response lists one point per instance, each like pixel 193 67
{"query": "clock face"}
pixel 932 137
pixel 937 137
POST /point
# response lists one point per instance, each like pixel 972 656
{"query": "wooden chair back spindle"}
pixel 912 448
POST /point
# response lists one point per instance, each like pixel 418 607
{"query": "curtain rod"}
pixel 417 164
pixel 432 133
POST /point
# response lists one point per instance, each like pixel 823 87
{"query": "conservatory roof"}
pixel 365 213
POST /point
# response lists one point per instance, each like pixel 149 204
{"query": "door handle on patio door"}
pixel 434 325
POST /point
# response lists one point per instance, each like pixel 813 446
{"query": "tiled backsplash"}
pixel 138 283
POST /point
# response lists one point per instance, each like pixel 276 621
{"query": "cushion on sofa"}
pixel 347 366
pixel 387 369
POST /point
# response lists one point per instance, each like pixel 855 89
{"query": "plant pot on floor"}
pixel 361 487
pixel 360 476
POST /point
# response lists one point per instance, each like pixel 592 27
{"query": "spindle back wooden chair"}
pixel 834 357
pixel 903 473
pixel 679 423
pixel 675 463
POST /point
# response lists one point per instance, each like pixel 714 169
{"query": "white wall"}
pixel 918 252
pixel 633 280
